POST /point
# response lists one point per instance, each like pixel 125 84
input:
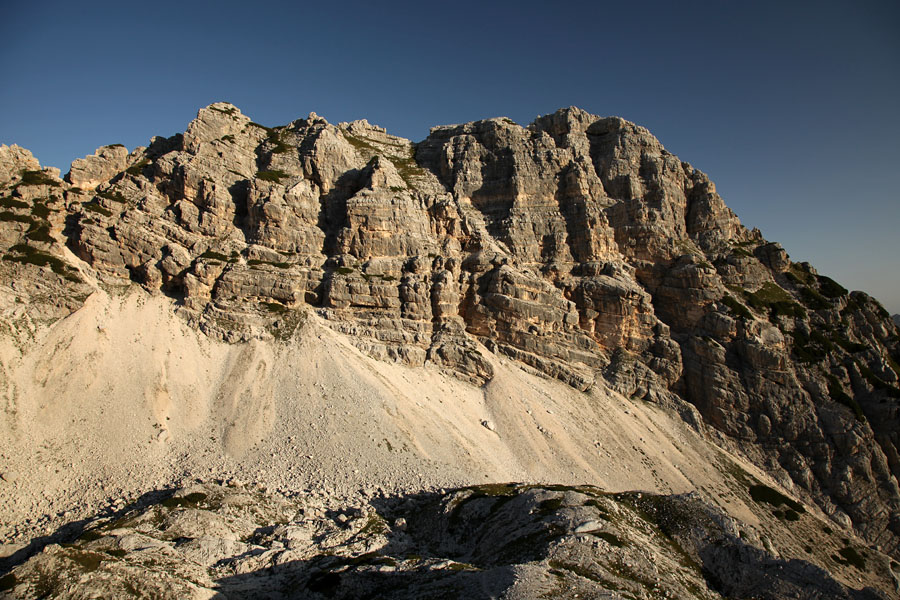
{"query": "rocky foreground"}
pixel 566 302
pixel 511 540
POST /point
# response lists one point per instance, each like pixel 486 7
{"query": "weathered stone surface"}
pixel 15 159
pixel 89 172
pixel 43 285
pixel 507 540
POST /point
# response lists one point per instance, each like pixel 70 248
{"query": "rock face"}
pixel 577 246
pixel 32 217
pixel 89 172
pixel 514 541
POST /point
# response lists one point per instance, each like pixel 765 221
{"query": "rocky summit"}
pixel 307 360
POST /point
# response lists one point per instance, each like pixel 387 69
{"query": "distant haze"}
pixel 790 110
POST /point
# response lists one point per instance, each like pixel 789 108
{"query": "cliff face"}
pixel 577 246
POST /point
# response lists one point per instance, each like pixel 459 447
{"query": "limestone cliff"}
pixel 577 246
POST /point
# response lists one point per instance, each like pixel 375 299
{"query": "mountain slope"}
pixel 576 248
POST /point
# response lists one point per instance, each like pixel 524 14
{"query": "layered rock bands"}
pixel 577 246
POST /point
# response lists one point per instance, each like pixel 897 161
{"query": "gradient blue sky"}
pixel 792 108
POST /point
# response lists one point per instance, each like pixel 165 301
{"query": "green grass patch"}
pixel 257 125
pixel 225 111
pixel 550 506
pixel 775 300
pixel 738 309
pixel 112 196
pixel 830 288
pixel 821 339
pixel 31 256
pixel 408 168
pixel 278 144
pixel 792 277
pixel 813 299
pixel 211 255
pixel 370 276
pixel 359 143
pixel 344 270
pixel 274 176
pixel 94 207
pixel 10 217
pixel 763 493
pixel 256 262
pixel 497 493
pixel 274 307
pixel 458 566
pixel 375 525
pixel 800 275
pixel 811 348
pixel 40 233
pixel 138 167
pixel 38 178
pixel 496 489
pixel 12 203
pixel 787 309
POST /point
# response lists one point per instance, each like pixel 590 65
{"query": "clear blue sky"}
pixel 794 111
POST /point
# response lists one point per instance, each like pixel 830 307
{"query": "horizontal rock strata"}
pixel 577 246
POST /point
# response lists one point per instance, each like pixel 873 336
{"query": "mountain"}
pixel 326 309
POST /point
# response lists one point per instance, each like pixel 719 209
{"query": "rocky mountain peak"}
pixel 577 249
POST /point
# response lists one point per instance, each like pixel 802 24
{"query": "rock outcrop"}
pixel 107 162
pixel 577 246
